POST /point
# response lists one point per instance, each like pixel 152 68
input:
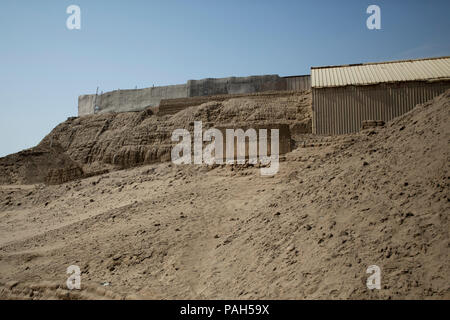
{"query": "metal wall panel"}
pixel 298 83
pixel 341 110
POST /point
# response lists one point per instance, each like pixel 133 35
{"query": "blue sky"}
pixel 123 44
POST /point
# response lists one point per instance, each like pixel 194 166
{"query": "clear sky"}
pixel 123 44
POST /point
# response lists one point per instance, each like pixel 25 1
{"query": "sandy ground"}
pixel 173 232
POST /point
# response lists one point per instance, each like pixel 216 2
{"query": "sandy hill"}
pixel 89 144
pixel 163 231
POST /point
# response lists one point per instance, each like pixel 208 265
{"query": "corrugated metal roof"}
pixel 373 73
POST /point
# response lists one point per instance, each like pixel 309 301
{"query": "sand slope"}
pixel 162 231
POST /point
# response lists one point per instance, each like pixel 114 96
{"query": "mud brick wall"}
pixel 284 137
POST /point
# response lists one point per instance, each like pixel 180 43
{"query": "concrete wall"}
pixel 235 85
pixel 139 99
pixel 129 100
pixel 86 104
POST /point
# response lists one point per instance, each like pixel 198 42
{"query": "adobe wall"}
pixel 172 106
pixel 284 143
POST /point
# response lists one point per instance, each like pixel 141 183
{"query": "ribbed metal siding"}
pixel 341 110
pixel 298 83
pixel 382 72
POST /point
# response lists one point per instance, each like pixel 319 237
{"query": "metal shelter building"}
pixel 345 96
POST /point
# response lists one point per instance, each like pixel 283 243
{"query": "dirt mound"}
pixel 162 231
pixel 123 140
pixel 34 165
